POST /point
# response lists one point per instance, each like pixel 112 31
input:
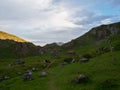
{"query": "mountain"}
pixel 91 42
pixel 95 35
pixel 100 45
pixel 4 36
pixel 12 46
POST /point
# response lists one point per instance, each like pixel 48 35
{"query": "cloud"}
pixel 115 3
pixel 47 21
pixel 39 13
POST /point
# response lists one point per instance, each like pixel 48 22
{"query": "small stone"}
pixel 19 73
pixel 6 77
pixel 43 74
pixel 73 61
pixel 34 69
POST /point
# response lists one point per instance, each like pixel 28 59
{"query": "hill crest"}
pixel 7 36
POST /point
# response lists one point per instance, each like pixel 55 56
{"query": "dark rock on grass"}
pixel 43 74
pixel 19 62
pixel 84 59
pixel 34 69
pixel 81 79
pixel 27 75
pixel 1 79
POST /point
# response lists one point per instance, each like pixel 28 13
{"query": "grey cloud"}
pixel 115 3
pixel 24 21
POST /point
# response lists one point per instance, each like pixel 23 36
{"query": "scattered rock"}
pixel 19 73
pixel 34 69
pixel 81 79
pixel 27 75
pixel 6 77
pixel 19 62
pixel 64 63
pixel 84 59
pixel 43 74
pixel 73 61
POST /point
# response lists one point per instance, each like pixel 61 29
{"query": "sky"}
pixel 48 21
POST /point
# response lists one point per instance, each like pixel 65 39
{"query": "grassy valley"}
pixel 101 45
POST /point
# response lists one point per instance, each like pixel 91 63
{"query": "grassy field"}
pixel 103 73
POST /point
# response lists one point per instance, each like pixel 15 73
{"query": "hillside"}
pixel 12 46
pixel 95 35
pixel 4 36
pixel 101 45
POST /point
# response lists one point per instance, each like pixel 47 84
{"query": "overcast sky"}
pixel 47 21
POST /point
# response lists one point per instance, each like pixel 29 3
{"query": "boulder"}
pixel 81 79
pixel 27 75
pixel 84 59
pixel 43 74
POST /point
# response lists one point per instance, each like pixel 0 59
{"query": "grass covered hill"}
pixel 13 49
pixel 12 46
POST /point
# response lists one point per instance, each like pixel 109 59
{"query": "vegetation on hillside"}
pixel 101 46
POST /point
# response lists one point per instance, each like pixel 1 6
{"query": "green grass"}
pixel 98 69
